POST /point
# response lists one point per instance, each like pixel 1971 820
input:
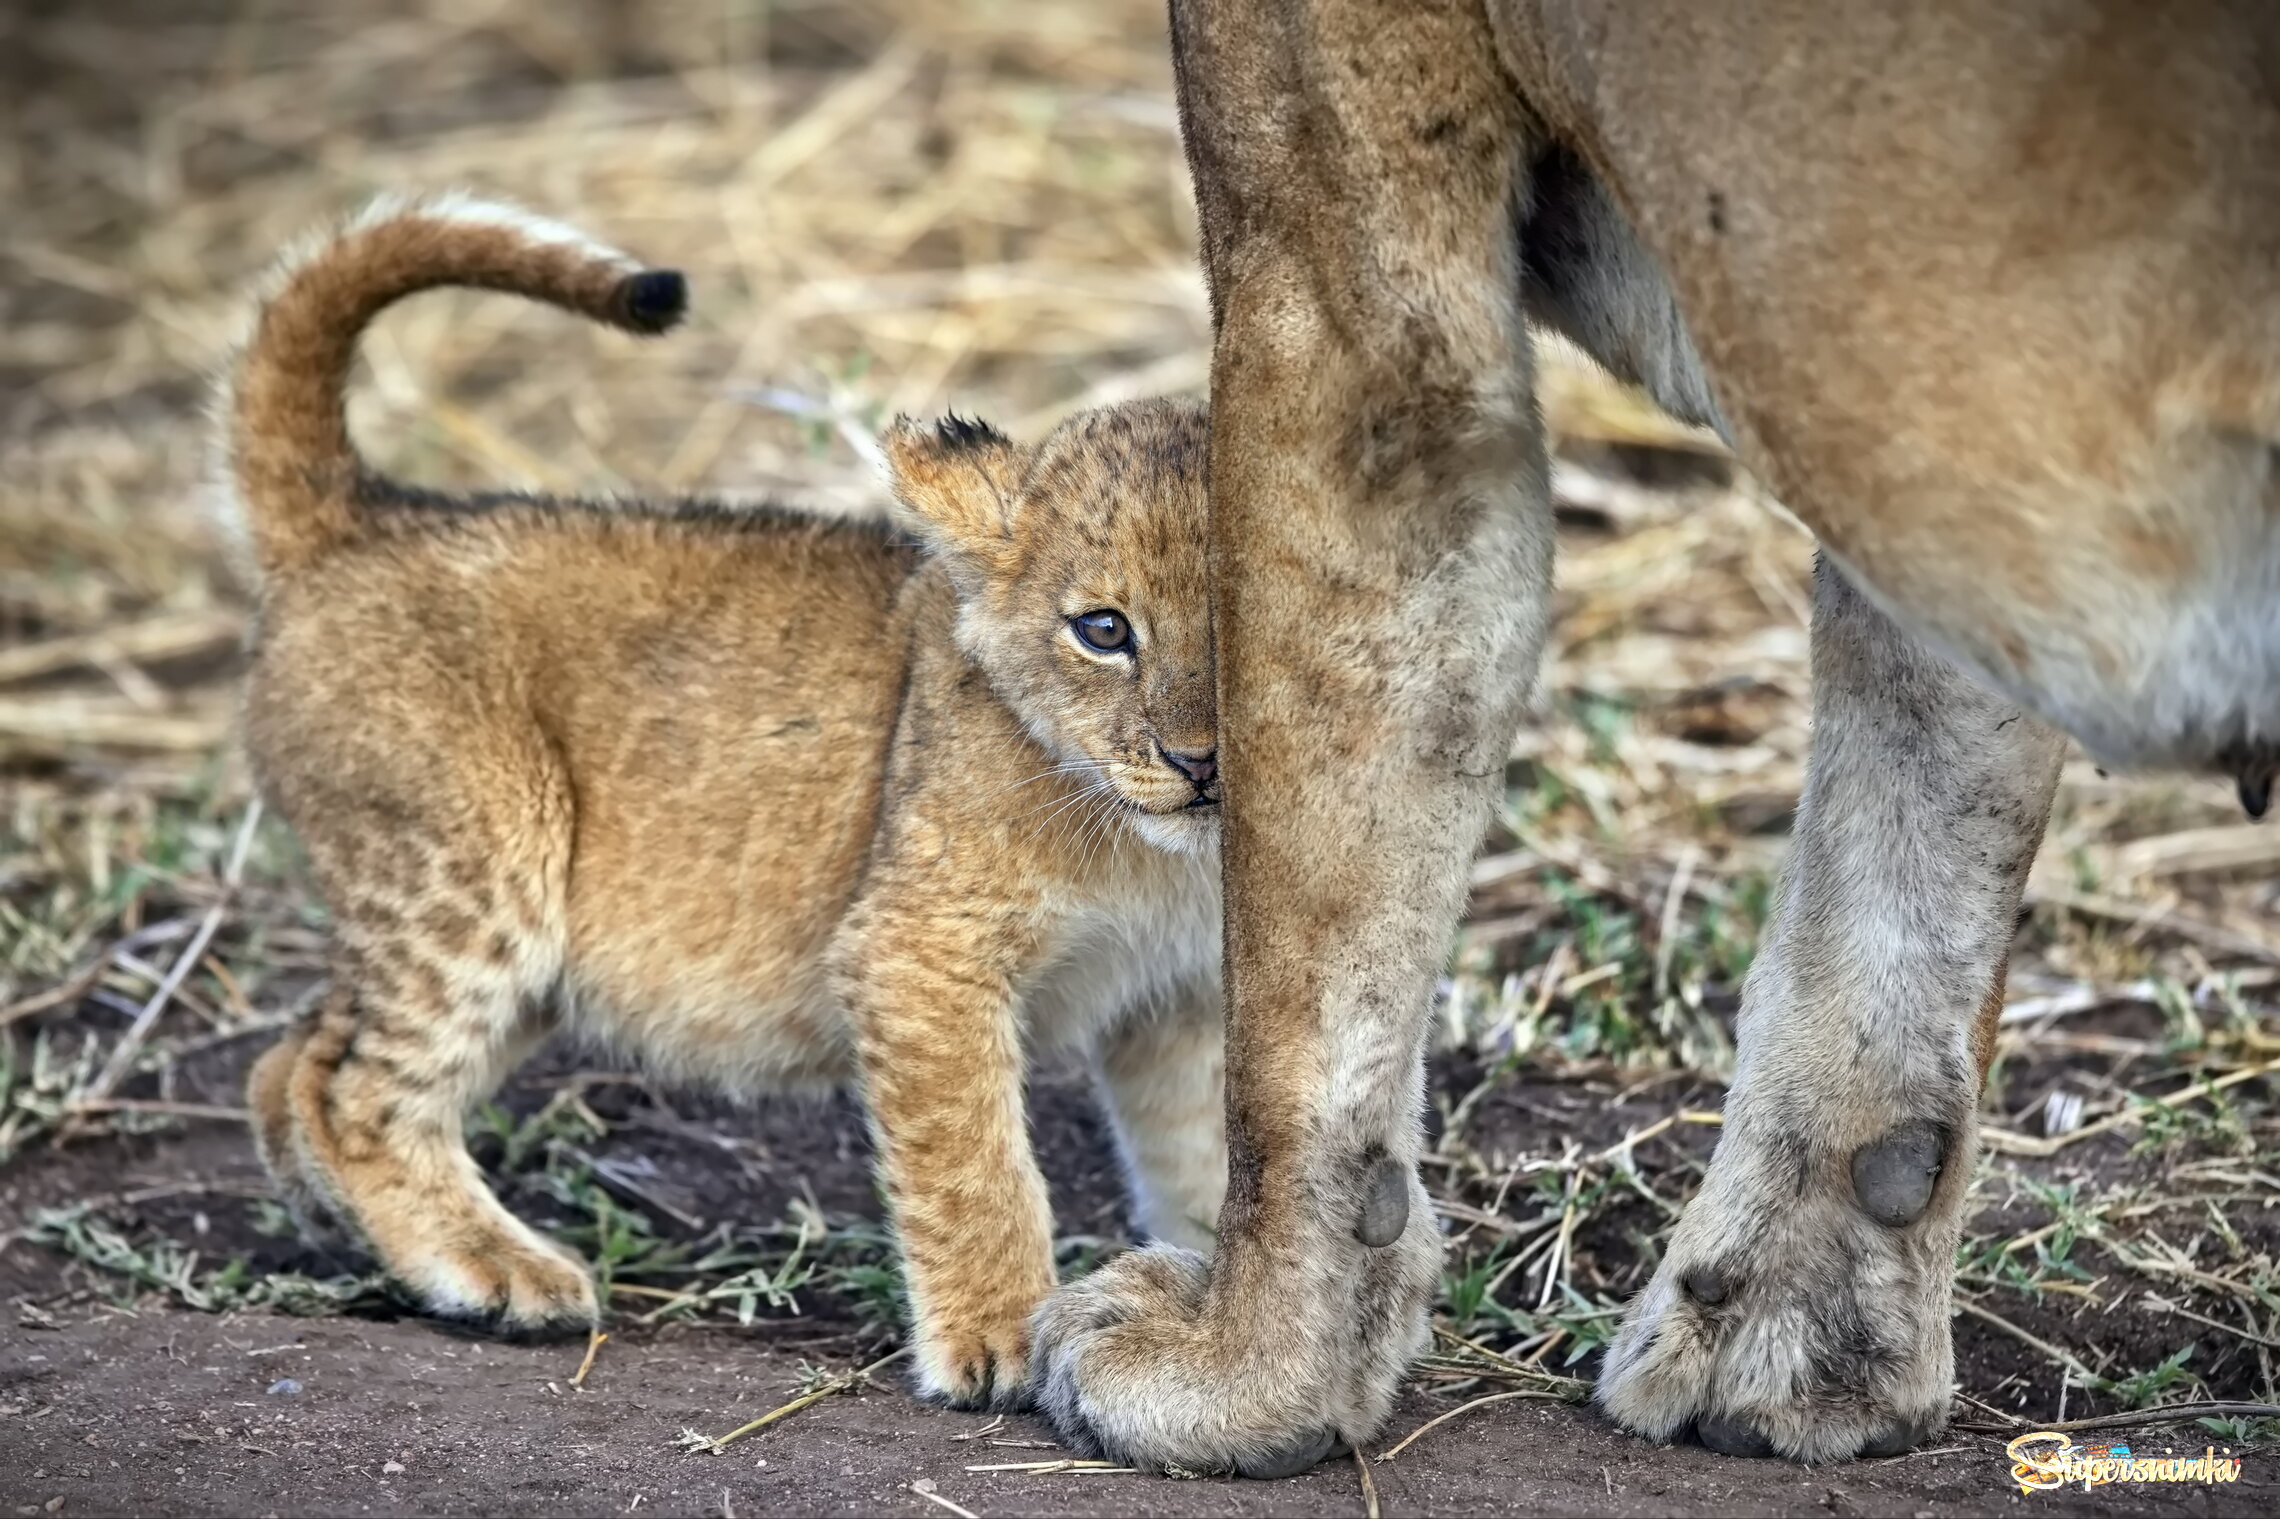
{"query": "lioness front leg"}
pixel 1802 1306
pixel 1382 554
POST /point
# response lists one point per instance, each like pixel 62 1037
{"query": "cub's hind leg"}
pixel 448 929
pixel 1162 1075
pixel 269 1097
pixel 377 1096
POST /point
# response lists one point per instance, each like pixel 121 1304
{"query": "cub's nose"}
pixel 1198 767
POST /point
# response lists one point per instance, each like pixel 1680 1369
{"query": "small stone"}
pixel 923 1485
pixel 391 1467
pixel 284 1387
pixel 54 1505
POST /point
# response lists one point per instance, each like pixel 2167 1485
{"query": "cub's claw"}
pixel 979 1371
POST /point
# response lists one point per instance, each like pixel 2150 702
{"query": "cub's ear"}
pixel 955 482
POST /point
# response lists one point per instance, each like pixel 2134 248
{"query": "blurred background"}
pixel 909 205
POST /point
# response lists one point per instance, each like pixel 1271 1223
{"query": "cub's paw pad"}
pixel 544 1332
pixel 491 1326
pixel 495 1324
pixel 1896 1439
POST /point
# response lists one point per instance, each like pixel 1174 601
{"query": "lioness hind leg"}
pixel 1162 1073
pixel 1802 1304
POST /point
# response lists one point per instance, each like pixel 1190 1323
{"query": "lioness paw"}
pixel 1128 1370
pixel 1801 1309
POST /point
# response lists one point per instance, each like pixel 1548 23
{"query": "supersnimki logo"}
pixel 2048 1459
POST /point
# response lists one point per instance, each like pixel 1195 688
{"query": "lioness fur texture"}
pixel 763 800
pixel 1990 296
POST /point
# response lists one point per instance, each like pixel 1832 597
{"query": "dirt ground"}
pixel 891 205
pixel 176 1414
pixel 130 1405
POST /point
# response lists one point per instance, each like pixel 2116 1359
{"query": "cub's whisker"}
pixel 1073 767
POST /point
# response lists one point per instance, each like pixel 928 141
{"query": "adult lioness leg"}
pixel 1802 1305
pixel 1383 548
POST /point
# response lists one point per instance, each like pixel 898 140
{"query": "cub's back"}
pixel 713 688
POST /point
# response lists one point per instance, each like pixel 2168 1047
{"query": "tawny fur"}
pixel 1991 296
pixel 762 800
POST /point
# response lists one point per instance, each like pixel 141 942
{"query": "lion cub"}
pixel 764 799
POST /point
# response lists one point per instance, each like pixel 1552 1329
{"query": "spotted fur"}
pixel 763 800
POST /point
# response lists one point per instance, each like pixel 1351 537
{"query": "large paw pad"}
pixel 1802 1307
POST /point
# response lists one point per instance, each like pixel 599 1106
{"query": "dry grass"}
pixel 912 204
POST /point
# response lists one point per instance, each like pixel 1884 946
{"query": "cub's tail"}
pixel 296 476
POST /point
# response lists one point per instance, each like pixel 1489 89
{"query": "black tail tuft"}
pixel 652 301
pixel 966 432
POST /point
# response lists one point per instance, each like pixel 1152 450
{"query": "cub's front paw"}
pixel 970 1329
pixel 1129 1368
pixel 512 1283
pixel 984 1365
pixel 1802 1307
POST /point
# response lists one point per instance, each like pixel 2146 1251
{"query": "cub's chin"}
pixel 1190 830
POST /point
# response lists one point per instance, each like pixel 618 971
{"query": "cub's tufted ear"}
pixel 955 482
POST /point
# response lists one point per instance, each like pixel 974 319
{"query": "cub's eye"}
pixel 1103 630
